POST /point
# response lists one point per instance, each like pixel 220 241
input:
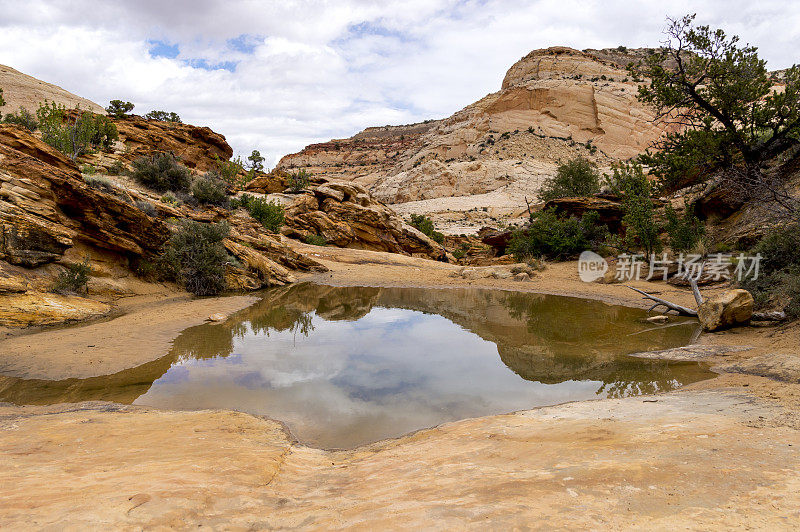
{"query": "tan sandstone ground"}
pixel 720 453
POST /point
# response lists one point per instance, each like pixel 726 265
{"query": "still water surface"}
pixel 347 366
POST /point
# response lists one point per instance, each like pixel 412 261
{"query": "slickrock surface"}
pixel 21 90
pixel 697 459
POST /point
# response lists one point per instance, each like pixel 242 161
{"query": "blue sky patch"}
pixel 163 49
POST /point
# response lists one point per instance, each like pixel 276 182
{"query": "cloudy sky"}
pixel 277 75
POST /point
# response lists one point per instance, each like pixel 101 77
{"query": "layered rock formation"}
pixel 346 215
pixel 196 147
pixel 553 104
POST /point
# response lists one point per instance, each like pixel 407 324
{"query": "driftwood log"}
pixel 680 309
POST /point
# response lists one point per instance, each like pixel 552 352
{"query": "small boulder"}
pixel 522 276
pixel 661 318
pixel 730 308
pixel 217 317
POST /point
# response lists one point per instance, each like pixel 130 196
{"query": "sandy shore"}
pixel 719 453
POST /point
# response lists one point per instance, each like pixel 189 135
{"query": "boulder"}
pixel 730 308
pixel 498 240
pixel 346 215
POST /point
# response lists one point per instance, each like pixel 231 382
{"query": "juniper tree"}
pixel 731 121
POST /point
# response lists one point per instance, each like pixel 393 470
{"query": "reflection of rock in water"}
pixel 122 387
pixel 547 339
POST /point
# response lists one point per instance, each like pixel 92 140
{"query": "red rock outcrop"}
pixel 46 207
pixel 196 146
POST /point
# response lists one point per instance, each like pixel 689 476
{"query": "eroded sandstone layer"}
pixel 553 104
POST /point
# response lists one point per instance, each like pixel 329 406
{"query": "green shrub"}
pixel 778 281
pixel 161 172
pixel 269 213
pixel 22 118
pixel 209 189
pixel 228 171
pixel 299 180
pixel 88 169
pixel 577 177
pixel 169 198
pixel 641 229
pixel 195 257
pixel 163 116
pixel 73 279
pixel 684 232
pixel 556 238
pixel 118 108
pixel 2 101
pixel 117 168
pixel 425 225
pixel 316 240
pixel 74 133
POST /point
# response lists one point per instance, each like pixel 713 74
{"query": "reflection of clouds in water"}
pixel 390 372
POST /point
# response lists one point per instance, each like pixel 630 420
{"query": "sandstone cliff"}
pixel 21 90
pixel 553 104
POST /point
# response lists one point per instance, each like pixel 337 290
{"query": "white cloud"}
pixel 313 70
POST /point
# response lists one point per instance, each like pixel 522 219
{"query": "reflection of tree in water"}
pixel 547 339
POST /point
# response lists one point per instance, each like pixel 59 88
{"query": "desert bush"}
pixel 228 171
pixel 195 257
pixel 146 207
pixel 163 116
pixel 118 108
pixel 117 168
pixel 684 232
pixel 73 279
pixel 778 282
pixel 575 178
pixel 74 133
pixel 316 240
pixel 425 225
pixel 169 198
pixel 209 189
pixel 22 118
pixel 161 172
pixel 299 180
pixel 269 213
pixel 100 183
pixel 2 101
pixel 88 169
pixel 556 238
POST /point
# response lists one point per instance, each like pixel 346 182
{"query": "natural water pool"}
pixel 347 366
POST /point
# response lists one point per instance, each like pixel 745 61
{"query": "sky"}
pixel 278 75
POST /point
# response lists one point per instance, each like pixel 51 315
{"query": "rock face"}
pixel 732 307
pixel 23 91
pixel 346 215
pixel 195 146
pixel 553 104
pixel 46 207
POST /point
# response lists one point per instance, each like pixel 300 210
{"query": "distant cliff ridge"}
pixel 553 104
